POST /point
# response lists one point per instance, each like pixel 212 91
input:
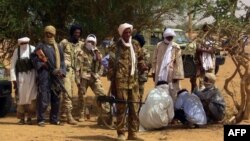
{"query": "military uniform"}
pixel 70 51
pixel 87 69
pixel 142 74
pixel 126 85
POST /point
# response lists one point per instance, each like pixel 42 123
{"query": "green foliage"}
pixel 101 17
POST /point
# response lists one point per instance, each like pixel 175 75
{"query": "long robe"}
pixel 26 81
pixel 175 70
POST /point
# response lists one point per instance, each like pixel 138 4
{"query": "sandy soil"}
pixel 89 130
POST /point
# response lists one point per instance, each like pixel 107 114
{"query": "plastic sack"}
pixel 158 109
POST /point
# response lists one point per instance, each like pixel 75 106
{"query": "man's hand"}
pixel 98 56
pixel 58 72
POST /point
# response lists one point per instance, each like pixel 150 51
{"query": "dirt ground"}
pixel 90 131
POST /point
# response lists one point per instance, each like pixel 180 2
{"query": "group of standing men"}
pixel 40 73
pixel 37 74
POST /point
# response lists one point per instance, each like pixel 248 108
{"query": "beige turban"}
pixel 169 32
pixel 91 37
pixel 124 26
pixel 23 40
pixel 211 77
pixel 51 29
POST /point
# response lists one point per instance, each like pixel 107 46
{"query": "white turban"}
pixel 23 40
pixel 91 37
pixel 124 26
pixel 169 32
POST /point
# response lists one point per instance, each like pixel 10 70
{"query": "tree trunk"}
pixel 247 89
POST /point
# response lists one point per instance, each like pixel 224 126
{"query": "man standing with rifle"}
pixel 123 64
pixel 48 60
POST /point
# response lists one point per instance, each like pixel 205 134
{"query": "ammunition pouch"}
pixel 23 65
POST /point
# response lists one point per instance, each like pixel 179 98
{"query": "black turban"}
pixel 73 28
pixel 140 39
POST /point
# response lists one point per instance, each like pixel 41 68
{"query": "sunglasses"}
pixel 169 37
pixel 24 43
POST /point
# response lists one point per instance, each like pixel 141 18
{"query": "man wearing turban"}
pixel 71 47
pixel 48 69
pixel 138 41
pixel 167 63
pixel 122 71
pixel 23 75
pixel 87 72
pixel 211 98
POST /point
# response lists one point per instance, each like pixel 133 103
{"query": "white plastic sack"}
pixel 158 109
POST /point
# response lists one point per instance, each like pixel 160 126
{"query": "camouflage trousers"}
pixel 133 120
pixel 30 109
pixel 68 84
pixel 96 87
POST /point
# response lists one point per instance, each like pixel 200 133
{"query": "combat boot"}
pixel 70 119
pixel 63 117
pixel 133 136
pixel 81 117
pixel 121 137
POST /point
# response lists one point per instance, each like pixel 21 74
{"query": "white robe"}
pixel 27 89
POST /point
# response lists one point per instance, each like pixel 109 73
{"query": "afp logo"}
pixel 241 132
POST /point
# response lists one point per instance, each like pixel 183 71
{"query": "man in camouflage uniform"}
pixel 88 66
pixel 71 47
pixel 123 74
pixel 142 75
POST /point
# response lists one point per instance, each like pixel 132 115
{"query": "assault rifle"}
pixel 111 100
pixel 57 79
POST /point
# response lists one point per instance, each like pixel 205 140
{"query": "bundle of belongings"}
pixel 158 109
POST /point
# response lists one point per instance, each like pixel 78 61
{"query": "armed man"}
pixel 123 73
pixel 87 72
pixel 48 60
pixel 70 47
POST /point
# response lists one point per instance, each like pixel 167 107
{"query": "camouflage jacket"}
pixel 87 66
pixel 120 65
pixel 70 52
pixel 142 74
